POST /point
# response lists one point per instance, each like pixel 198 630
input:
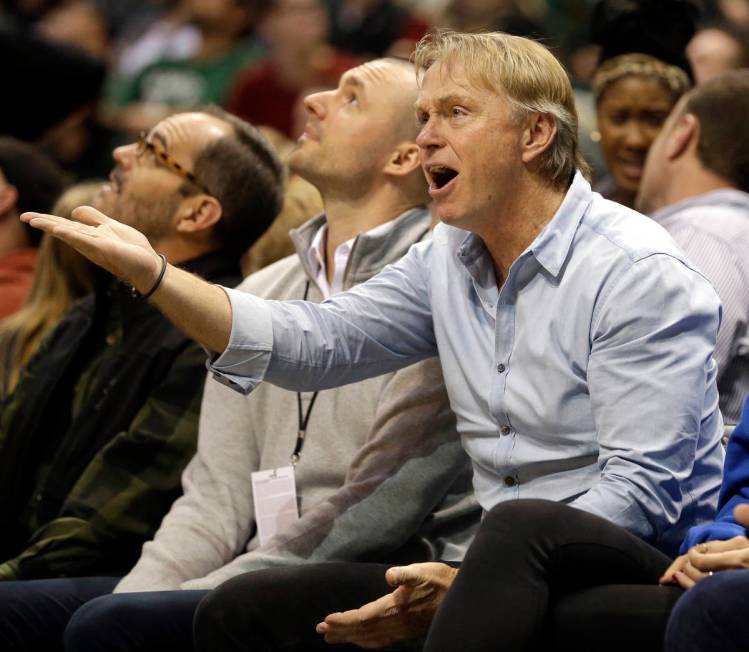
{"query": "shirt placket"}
pixel 504 341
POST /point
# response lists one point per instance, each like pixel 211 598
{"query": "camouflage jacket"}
pixel 87 475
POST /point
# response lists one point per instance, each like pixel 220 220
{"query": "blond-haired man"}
pixel 574 337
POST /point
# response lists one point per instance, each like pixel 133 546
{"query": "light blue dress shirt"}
pixel 587 378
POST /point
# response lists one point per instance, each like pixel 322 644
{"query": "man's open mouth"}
pixel 441 175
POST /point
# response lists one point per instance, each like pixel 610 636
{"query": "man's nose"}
pixel 316 103
pixel 124 155
pixel 430 136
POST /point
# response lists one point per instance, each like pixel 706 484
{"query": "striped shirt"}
pixel 713 230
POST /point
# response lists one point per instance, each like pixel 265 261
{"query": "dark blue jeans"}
pixel 82 614
pixel 712 616
pixel 160 621
pixel 34 613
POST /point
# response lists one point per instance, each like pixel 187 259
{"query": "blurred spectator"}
pixel 717 48
pixel 127 17
pixel 78 142
pixel 300 57
pixel 302 201
pixel 375 27
pixel 29 181
pixel 736 12
pixel 642 73
pixel 82 144
pixel 78 23
pixel 169 35
pixel 483 15
pixel 62 275
pixel 50 82
pixel 169 85
pixel 20 14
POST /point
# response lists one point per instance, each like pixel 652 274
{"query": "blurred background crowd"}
pixel 94 73
pixel 85 76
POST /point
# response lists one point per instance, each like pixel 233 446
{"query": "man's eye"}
pixel 147 156
pixel 456 112
pixel 352 99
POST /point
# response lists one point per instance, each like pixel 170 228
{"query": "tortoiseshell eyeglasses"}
pixel 146 146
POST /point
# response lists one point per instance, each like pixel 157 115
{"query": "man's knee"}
pixel 91 622
pixel 211 617
pixel 711 615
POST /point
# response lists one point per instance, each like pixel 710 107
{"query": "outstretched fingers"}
pixel 60 227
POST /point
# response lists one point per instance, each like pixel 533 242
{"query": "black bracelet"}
pixel 155 287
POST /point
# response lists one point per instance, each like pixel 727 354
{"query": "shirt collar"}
pixel 316 251
pixel 723 197
pixel 552 246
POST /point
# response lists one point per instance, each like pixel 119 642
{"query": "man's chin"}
pixel 447 215
pixel 109 208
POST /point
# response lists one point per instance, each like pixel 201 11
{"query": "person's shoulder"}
pixel 634 235
pixel 723 215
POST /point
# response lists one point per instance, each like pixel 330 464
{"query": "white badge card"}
pixel 274 495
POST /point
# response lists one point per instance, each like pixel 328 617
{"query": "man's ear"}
pixel 539 134
pixel 198 213
pixel 403 160
pixel 685 133
pixel 8 197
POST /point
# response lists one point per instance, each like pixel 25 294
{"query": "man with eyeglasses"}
pixel 388 479
pixel 105 416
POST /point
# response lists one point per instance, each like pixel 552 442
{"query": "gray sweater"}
pixel 382 471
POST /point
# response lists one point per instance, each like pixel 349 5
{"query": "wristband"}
pixel 156 285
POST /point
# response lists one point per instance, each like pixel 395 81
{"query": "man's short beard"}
pixel 152 217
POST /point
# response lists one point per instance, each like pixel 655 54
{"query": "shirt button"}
pixel 501 368
pixel 39 498
pixel 505 430
pixel 510 481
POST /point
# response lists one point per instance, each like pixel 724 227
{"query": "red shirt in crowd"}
pixel 261 99
pixel 16 275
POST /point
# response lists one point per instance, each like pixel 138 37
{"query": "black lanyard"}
pixel 303 417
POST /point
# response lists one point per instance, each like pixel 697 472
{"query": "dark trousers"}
pixel 712 616
pixel 158 621
pixel 539 576
pixel 82 615
pixel 34 613
pixel 277 609
pixel 544 576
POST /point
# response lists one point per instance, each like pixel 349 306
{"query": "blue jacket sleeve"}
pixel 734 491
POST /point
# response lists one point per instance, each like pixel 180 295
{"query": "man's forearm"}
pixel 201 310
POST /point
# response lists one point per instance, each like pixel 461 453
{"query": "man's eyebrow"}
pixel 158 136
pixel 352 80
pixel 443 100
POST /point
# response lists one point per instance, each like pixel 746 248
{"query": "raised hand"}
pixel 403 614
pixel 116 247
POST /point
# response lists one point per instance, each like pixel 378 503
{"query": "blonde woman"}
pixel 61 277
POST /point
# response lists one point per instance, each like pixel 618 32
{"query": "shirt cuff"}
pixel 243 364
